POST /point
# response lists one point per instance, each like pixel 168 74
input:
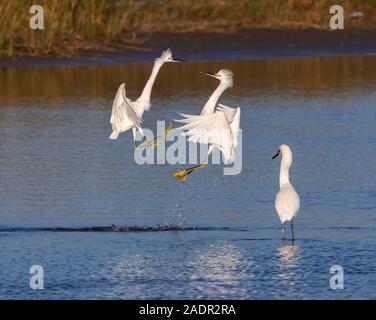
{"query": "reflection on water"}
pixel 311 75
pixel 126 271
pixel 219 269
pixel 215 269
pixel 288 267
pixel 288 255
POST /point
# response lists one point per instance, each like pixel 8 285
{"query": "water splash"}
pixel 177 217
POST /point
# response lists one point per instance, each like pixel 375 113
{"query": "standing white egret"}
pixel 287 202
pixel 219 130
pixel 127 114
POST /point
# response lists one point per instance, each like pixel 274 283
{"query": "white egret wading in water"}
pixel 127 114
pixel 287 202
pixel 217 128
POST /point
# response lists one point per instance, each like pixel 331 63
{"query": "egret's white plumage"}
pixel 123 116
pixel 218 128
pixel 287 202
pixel 226 81
pixel 127 114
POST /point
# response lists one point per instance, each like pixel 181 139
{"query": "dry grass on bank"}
pixel 72 25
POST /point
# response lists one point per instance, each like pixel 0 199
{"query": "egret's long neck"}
pixel 284 173
pixel 209 107
pixel 146 93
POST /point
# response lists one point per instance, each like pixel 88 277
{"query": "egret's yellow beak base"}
pixel 183 174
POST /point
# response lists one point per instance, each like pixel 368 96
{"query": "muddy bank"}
pixel 243 45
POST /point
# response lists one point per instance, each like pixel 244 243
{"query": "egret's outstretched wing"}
pixel 209 129
pixel 235 125
pixel 229 112
pixel 123 117
pixel 188 118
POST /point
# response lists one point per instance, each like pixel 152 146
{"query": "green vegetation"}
pixel 72 25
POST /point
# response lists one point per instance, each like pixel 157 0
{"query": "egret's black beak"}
pixel 276 155
pixel 210 74
pixel 177 60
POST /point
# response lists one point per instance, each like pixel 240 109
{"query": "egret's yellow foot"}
pixel 183 174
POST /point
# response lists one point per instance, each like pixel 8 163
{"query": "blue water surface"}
pixel 59 170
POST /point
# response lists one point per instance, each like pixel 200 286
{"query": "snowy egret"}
pixel 287 200
pixel 127 114
pixel 219 130
pixel 226 80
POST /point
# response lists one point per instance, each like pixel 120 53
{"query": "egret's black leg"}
pixel 292 229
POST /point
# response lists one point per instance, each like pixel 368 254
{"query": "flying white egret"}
pixel 226 81
pixel 127 114
pixel 287 202
pixel 219 130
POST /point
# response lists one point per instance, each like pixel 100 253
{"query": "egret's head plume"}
pixel 168 57
pixel 226 77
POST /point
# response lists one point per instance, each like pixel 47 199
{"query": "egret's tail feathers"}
pixel 114 135
pixel 183 174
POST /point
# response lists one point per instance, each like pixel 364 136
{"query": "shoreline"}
pixel 253 44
